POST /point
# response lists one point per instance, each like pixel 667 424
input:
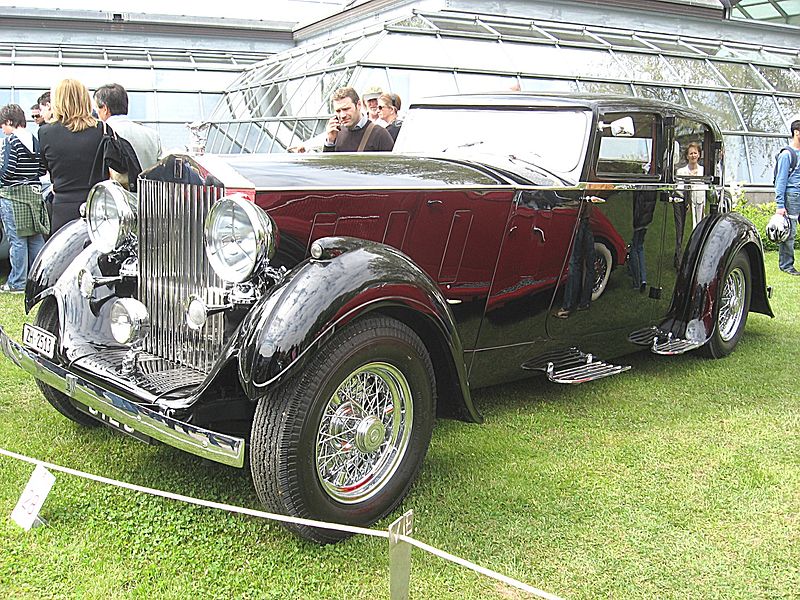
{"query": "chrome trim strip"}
pixel 208 444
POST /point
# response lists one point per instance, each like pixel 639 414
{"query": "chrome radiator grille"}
pixel 173 266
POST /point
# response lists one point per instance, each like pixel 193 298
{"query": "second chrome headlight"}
pixel 239 236
pixel 111 215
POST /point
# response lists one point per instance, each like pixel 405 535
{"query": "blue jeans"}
pixel 580 280
pixel 786 249
pixel 22 250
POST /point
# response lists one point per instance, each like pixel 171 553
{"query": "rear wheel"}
pixel 343 440
pixel 47 318
pixel 730 308
pixel 603 264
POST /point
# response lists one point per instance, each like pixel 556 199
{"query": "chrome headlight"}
pixel 111 215
pixel 239 237
pixel 130 321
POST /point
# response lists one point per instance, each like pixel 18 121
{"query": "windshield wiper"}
pixel 515 158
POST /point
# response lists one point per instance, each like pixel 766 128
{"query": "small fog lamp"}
pixel 130 321
pixel 196 313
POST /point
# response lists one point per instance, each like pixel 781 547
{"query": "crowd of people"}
pixel 45 177
pixel 367 123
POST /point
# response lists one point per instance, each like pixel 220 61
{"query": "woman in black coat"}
pixel 68 146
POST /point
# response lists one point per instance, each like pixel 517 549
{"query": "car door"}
pixel 623 218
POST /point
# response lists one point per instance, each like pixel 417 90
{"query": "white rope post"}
pixel 400 556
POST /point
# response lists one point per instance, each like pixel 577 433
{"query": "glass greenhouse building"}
pixel 720 66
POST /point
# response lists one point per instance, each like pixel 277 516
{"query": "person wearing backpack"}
pixel 112 107
pixel 787 195
pixel 22 209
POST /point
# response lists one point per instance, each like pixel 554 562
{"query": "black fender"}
pixel 711 249
pixel 56 256
pixel 317 297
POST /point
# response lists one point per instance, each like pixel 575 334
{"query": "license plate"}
pixel 39 340
pixel 114 424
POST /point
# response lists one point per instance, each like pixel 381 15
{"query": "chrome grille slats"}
pixel 172 267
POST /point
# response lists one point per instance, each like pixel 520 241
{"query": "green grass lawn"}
pixel 678 479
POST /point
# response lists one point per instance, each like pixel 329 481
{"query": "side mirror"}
pixel 623 127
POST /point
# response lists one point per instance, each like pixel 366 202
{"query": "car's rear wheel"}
pixel 344 439
pixel 47 319
pixel 731 307
pixel 603 264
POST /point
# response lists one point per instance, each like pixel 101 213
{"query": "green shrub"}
pixel 759 215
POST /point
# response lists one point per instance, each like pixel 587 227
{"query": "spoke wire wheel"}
pixel 732 304
pixel 364 432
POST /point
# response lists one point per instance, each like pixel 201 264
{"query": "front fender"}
pixel 56 256
pixel 723 236
pixel 319 296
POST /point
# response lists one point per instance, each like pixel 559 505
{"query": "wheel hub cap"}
pixel 370 434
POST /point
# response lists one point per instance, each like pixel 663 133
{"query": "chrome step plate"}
pixel 662 342
pixel 573 366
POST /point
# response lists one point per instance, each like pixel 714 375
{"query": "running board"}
pixel 573 366
pixel 662 342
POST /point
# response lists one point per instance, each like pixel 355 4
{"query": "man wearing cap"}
pixel 370 98
pixel 351 131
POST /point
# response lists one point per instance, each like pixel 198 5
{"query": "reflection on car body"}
pixel 319 311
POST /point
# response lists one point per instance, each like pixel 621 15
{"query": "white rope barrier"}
pixel 287 519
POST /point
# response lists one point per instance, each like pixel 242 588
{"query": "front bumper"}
pixel 214 446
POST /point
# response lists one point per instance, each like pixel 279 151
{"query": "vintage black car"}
pixel 316 313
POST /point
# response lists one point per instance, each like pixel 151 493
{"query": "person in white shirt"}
pixel 112 107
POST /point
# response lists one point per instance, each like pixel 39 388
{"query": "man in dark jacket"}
pixel 350 130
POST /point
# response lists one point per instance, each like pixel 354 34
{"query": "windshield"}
pixel 553 139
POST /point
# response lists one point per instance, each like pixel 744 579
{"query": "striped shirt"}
pixel 20 164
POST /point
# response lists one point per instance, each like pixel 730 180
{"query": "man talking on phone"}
pixel 351 131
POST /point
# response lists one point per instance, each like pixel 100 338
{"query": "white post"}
pixel 400 556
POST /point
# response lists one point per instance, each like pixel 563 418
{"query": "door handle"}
pixel 540 232
pixel 434 202
pixel 593 199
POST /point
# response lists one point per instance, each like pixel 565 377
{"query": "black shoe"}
pixel 584 306
pixel 9 290
pixel 791 271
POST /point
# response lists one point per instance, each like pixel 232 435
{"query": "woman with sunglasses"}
pixel 388 107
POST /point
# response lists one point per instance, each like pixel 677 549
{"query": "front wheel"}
pixel 603 265
pixel 47 319
pixel 730 308
pixel 344 439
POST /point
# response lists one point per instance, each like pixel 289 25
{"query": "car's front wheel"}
pixel 344 439
pixel 732 303
pixel 47 319
pixel 603 265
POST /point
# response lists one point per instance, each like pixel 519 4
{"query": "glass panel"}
pixel 127 56
pixel 668 45
pixel 173 56
pixel 667 94
pixel 762 157
pixel 548 85
pixel 549 60
pixel 790 107
pixel 208 102
pixel 486 55
pixel 178 107
pixel 50 54
pixel 627 41
pixel 466 26
pixel 718 106
pixel 173 136
pixel 628 155
pixel 413 85
pixel 599 87
pixel 142 106
pixel 469 83
pixel 412 49
pixel 644 67
pixel 519 31
pixel 759 112
pixel 572 35
pixel 735 160
pixel 694 71
pixel 189 79
pixel 740 75
pixel 783 80
pixel 413 22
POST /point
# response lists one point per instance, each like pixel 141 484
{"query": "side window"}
pixel 623 154
pixel 691 152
